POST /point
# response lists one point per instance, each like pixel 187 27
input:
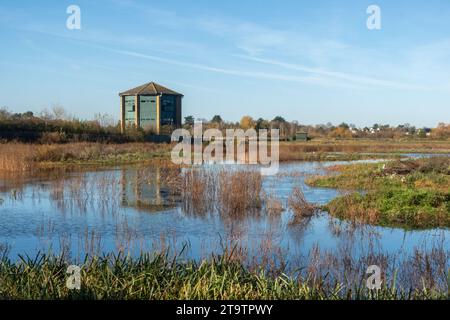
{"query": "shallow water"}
pixel 128 209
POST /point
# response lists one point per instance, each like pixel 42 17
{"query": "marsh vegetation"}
pixel 225 276
pixel 149 229
pixel 406 193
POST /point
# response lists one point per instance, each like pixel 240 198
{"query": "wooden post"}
pixel 158 114
pixel 122 109
pixel 137 110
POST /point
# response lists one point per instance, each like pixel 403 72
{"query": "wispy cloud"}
pixel 221 70
pixel 352 78
pixel 314 79
pixel 298 56
pixel 257 42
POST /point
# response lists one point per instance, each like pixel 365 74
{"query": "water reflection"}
pixel 154 208
pixel 144 189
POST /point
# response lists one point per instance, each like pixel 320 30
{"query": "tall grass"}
pixel 17 157
pixel 198 188
pixel 21 157
pixel 163 276
pixel 231 193
pixel 239 192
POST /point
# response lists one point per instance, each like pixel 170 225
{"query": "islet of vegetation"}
pixel 405 193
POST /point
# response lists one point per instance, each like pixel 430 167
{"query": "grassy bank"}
pixel 161 277
pixel 20 157
pixel 357 149
pixel 408 193
pixel 23 157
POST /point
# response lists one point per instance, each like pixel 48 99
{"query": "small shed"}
pixel 301 136
pixel 150 106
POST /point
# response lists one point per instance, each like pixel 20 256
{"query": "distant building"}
pixel 151 107
pixel 301 136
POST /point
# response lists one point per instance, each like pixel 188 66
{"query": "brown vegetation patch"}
pixel 299 205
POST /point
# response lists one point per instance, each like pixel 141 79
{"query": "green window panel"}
pixel 147 111
pixel 130 109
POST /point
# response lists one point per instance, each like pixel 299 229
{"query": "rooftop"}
pixel 151 89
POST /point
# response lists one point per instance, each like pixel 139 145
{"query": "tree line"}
pixel 288 129
pixel 57 125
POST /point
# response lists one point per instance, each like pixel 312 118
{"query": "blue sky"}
pixel 311 61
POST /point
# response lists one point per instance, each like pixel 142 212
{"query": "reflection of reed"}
pixel 273 205
pixel 426 268
pixel 86 192
pixel 199 191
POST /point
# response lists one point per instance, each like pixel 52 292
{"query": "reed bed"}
pixel 22 157
pixel 164 276
pixel 17 157
pixel 199 188
pixel 273 205
pixel 239 192
pixel 228 192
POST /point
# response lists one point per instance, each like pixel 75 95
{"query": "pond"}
pixel 130 209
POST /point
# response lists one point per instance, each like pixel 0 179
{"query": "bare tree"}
pixel 59 113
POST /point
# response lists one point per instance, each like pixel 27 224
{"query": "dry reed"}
pixel 298 204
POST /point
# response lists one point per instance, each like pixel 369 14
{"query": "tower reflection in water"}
pixel 146 189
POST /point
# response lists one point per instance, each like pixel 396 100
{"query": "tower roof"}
pixel 151 89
